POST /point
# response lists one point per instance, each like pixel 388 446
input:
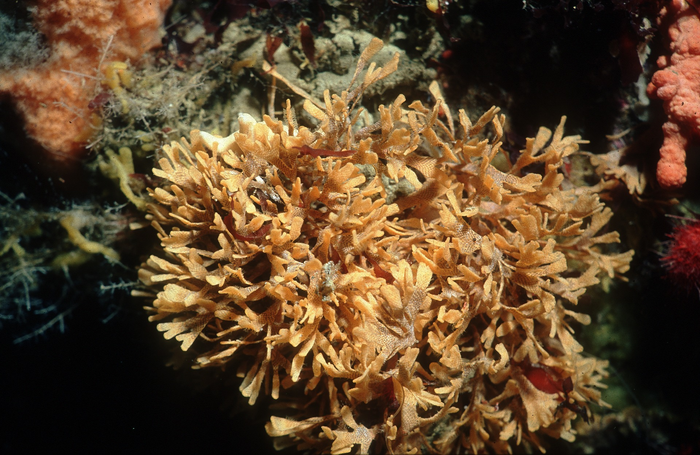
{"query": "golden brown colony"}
pixel 399 286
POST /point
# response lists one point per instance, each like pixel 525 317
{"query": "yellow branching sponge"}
pixel 386 282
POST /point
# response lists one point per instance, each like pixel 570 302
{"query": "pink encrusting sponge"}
pixel 682 260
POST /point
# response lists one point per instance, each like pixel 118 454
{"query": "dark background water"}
pixel 104 388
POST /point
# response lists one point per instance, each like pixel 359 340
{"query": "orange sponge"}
pixel 677 83
pixel 53 97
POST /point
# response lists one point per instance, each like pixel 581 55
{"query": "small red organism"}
pixel 389 397
pixel 272 43
pixel 379 272
pixel 547 380
pixel 307 43
pixel 682 260
pixel 543 379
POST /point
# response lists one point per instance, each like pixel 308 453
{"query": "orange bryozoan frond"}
pixel 384 280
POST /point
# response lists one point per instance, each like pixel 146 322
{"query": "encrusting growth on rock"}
pixel 385 281
pixel 678 85
pixel 54 96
